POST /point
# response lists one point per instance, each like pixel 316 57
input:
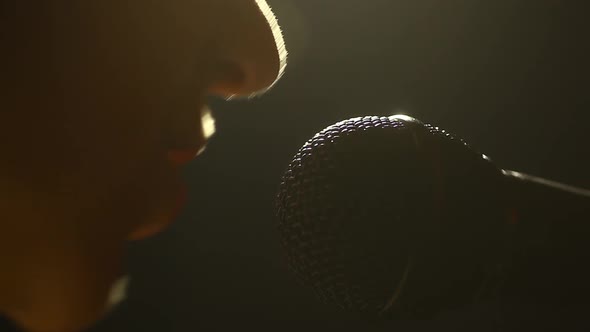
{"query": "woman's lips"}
pixel 177 158
pixel 162 222
pixel 182 157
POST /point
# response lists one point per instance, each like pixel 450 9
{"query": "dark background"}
pixel 511 77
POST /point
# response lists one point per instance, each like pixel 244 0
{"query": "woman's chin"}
pixel 48 316
pixel 57 321
pixel 67 297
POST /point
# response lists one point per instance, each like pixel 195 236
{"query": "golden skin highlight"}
pixel 102 104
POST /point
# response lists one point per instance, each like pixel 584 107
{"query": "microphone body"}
pixel 390 217
pixel 551 240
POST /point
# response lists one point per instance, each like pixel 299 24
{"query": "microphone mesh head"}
pixel 371 207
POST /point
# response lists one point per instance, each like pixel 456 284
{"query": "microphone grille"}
pixel 314 220
pixel 360 199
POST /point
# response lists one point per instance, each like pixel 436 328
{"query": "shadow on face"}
pixel 103 102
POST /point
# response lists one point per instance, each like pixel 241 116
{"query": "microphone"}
pixel 390 217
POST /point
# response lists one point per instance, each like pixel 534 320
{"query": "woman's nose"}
pixel 251 57
pixel 251 47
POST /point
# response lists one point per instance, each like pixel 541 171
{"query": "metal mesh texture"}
pixel 366 196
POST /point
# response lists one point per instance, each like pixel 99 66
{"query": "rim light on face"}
pixel 207 123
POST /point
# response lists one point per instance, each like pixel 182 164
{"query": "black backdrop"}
pixel 511 77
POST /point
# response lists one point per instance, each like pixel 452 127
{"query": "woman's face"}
pixel 104 101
